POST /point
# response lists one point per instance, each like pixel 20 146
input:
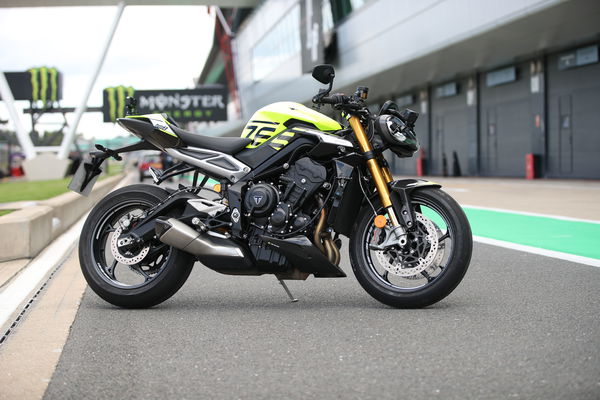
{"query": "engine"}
pixel 282 206
pixel 278 206
pixel 261 199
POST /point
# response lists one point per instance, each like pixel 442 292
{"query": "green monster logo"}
pixel 42 79
pixel 115 96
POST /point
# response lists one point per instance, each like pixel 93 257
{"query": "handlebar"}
pixel 333 99
pixel 340 101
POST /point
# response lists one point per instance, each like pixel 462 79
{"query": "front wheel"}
pixel 424 270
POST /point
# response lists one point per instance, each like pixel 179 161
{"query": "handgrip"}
pixel 333 99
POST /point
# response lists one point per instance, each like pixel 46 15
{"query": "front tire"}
pixel 386 275
pixel 155 278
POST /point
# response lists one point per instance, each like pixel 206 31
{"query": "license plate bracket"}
pixel 86 176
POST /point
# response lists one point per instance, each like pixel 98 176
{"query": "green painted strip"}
pixel 573 237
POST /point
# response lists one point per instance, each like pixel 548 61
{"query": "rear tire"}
pixel 439 284
pixel 159 284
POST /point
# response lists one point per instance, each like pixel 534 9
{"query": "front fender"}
pixel 400 191
pixel 400 194
pixel 412 184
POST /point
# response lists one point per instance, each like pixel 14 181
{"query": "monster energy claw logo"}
pixel 116 100
pixel 44 84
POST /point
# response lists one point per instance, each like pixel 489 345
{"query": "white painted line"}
pixel 536 250
pixel 504 210
pixel 28 280
pixel 592 185
pixel 461 190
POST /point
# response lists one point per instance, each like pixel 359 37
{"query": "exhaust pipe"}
pixel 324 241
pixel 177 234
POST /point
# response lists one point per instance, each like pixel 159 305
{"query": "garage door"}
pixel 505 121
pixel 451 118
pixel 574 114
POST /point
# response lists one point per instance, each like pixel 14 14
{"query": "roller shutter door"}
pixel 574 115
pixel 450 132
pixel 505 121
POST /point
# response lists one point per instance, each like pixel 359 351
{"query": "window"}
pixel 278 45
pixel 405 100
pixel 577 58
pixel 501 76
pixel 447 90
pixel 327 17
pixel 356 4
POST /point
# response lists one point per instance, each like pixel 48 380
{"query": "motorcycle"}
pixel 289 188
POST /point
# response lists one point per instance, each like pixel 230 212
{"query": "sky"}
pixel 155 47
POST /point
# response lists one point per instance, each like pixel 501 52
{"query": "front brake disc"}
pixel 428 249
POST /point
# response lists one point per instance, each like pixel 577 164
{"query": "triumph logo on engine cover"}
pixel 258 199
pixel 235 215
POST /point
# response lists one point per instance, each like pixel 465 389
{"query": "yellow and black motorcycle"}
pixel 289 188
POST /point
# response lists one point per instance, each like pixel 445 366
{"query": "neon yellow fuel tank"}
pixel 269 121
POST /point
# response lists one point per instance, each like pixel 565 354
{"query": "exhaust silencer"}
pixel 218 253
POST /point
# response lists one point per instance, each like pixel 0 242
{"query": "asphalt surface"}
pixel 519 326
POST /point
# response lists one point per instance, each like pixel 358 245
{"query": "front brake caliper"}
pixel 393 236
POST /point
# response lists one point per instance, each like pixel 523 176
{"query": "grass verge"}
pixel 39 190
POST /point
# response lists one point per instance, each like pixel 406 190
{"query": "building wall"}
pixel 398 47
pixel 262 26
pixel 394 32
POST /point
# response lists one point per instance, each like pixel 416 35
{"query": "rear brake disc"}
pixel 125 258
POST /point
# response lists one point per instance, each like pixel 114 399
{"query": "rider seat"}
pixel 227 145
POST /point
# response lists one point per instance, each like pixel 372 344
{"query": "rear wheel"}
pixel 426 269
pixel 132 276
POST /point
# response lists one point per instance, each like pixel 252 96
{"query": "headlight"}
pixel 400 138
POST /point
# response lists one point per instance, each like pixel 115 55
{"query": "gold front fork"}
pixel 381 176
pixel 387 174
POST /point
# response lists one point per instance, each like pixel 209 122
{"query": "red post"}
pixel 530 172
pixel 421 163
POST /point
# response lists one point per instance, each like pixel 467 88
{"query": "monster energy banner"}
pixel 42 84
pixel 113 102
pixel 185 105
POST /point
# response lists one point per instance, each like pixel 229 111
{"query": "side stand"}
pixel 292 298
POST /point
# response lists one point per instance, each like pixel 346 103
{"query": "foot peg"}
pixel 156 174
pixel 292 298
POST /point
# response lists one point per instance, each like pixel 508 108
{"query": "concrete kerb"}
pixel 24 233
pixel 68 207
